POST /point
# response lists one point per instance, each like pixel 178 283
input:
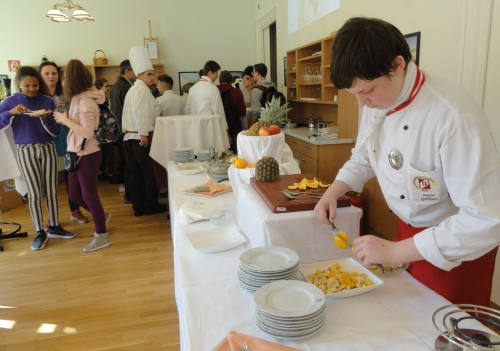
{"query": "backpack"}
pixel 109 129
pixel 231 112
pixel 268 94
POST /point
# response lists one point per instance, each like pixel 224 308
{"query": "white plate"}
pixel 263 275
pixel 289 298
pixel 269 258
pixel 217 239
pixel 196 170
pixel 350 265
pixel 200 209
pixel 279 336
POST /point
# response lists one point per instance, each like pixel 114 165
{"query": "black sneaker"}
pixel 59 233
pixel 127 199
pixel 158 208
pixel 40 240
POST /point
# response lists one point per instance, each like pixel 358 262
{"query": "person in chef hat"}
pixel 139 112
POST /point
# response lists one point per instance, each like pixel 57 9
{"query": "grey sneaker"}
pixel 40 241
pixel 60 233
pixel 100 241
pixel 107 216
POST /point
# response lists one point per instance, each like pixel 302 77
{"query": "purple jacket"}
pixel 26 129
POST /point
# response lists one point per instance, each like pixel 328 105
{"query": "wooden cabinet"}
pixel 323 161
pixel 378 217
pixel 311 94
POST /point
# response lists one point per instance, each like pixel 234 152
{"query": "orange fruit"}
pixel 240 163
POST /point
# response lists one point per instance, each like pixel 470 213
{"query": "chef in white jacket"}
pixel 204 97
pixel 430 146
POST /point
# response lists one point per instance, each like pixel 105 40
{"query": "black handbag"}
pixel 71 159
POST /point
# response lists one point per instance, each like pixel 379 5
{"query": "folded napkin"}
pixel 215 188
pixel 233 340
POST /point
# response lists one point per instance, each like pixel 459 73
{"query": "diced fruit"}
pixel 252 165
pixel 273 130
pixel 264 131
pixel 240 163
pixel 232 159
pixel 292 187
pixel 339 242
pixel 323 185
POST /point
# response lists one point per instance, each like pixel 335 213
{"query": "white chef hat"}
pixel 139 59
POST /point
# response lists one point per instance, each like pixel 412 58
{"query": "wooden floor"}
pixel 117 298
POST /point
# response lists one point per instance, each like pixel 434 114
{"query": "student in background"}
pixel 51 75
pixel 261 84
pixel 108 149
pixel 36 150
pixel 234 106
pixel 117 98
pixel 246 85
pixel 171 104
pixel 83 120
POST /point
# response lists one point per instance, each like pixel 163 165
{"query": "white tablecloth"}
pixel 299 231
pixel 395 316
pixel 195 131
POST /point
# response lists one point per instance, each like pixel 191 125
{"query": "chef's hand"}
pixel 370 249
pixel 144 141
pixel 326 209
pixel 19 109
pixel 61 117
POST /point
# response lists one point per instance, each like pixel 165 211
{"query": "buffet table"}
pixel 198 132
pixel 210 302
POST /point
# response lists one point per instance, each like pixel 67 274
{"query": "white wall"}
pixel 191 32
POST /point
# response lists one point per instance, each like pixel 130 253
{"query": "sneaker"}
pixel 100 241
pixel 79 217
pixel 158 208
pixel 40 240
pixel 121 189
pixel 127 200
pixel 59 233
pixel 107 216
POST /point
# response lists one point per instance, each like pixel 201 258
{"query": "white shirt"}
pixel 171 104
pixel 140 110
pixel 246 94
pixel 450 179
pixel 204 99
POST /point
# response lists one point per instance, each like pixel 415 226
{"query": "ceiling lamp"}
pixel 58 16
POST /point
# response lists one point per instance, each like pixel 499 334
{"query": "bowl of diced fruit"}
pixel 340 278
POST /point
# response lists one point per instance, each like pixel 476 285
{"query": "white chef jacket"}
pixel 171 104
pixel 450 179
pixel 204 99
pixel 140 110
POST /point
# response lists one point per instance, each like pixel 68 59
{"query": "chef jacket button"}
pixel 390 210
pixel 402 197
pixel 405 127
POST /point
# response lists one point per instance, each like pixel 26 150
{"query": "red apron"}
pixel 468 283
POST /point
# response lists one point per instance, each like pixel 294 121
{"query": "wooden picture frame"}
pixel 413 40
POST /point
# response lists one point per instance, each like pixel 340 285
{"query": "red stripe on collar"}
pixel 419 81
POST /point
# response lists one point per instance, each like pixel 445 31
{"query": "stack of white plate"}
pixel 290 309
pixel 262 265
pixel 183 155
pixel 204 156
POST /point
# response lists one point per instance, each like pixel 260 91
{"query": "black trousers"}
pixel 141 176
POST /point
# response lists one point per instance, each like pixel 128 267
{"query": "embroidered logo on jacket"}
pixel 424 184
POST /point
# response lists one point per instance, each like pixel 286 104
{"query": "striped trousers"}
pixel 38 165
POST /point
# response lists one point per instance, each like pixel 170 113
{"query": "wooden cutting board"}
pixel 271 193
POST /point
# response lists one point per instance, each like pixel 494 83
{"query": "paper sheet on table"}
pixel 199 210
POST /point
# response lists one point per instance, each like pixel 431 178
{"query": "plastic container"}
pixel 221 218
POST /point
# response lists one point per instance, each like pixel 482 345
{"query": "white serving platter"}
pixel 217 239
pixel 350 265
pixel 195 169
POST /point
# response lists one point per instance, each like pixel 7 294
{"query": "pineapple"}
pixel 267 170
pixel 273 113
